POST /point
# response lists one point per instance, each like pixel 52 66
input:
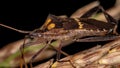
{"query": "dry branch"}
pixel 106 56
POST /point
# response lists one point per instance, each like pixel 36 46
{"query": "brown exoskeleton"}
pixel 83 29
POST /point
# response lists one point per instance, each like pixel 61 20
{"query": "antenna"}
pixel 20 31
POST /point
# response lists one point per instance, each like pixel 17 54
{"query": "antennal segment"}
pixel 20 31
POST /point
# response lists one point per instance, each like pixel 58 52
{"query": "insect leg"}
pixel 110 20
pixel 62 52
pixel 90 12
pixel 59 51
pixel 59 54
pixel 22 55
pixel 31 42
pixel 40 51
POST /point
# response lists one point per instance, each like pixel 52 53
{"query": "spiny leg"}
pixel 40 51
pixel 110 19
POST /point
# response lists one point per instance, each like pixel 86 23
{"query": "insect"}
pixel 83 29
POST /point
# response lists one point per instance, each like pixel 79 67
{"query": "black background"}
pixel 31 15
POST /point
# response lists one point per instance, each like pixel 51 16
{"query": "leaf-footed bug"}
pixel 81 29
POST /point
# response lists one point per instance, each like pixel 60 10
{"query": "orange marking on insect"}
pixel 81 25
pixel 50 26
pixel 48 21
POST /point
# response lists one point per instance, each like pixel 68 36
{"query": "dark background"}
pixel 31 15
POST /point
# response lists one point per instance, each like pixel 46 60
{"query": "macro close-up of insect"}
pixel 62 29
